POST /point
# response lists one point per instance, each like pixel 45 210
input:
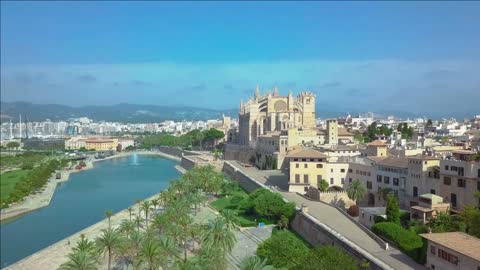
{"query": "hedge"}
pixel 407 241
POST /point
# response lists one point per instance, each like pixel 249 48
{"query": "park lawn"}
pixel 8 181
pixel 16 161
pixel 243 220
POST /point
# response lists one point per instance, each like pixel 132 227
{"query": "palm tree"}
pixel 80 260
pixel 145 206
pixel 85 245
pixel 230 217
pixel 107 242
pixel 219 235
pixel 108 214
pixel 139 202
pixel 138 222
pixel 130 210
pixel 160 221
pixel 150 254
pixel 155 202
pixel 255 263
pixel 356 191
pixel 127 226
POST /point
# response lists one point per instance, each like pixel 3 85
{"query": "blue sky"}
pixel 357 56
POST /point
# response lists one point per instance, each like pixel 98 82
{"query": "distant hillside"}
pixel 131 113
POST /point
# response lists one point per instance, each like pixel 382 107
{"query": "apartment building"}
pixel 306 168
pixel 460 178
pixel 452 251
pixel 423 178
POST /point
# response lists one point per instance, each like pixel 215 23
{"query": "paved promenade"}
pixel 334 219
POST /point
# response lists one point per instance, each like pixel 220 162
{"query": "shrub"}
pixel 407 241
pixel 283 249
pixel 328 257
pixel 353 211
pixel 271 205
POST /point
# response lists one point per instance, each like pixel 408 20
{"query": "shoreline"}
pixel 52 256
pixel 38 201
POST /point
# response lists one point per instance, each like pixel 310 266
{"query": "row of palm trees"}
pixel 161 233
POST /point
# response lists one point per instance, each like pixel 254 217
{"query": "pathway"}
pixel 334 219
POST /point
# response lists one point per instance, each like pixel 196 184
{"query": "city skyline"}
pixel 173 55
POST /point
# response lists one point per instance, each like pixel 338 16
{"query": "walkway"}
pixel 334 219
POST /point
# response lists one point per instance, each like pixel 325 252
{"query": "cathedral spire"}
pixel 257 92
pixel 275 91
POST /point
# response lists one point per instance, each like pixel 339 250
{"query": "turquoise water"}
pixel 113 184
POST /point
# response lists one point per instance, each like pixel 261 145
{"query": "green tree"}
pixel 283 249
pixel 328 257
pixel 323 185
pixel 13 145
pixel 107 242
pixel 109 215
pixel 356 191
pixel 471 216
pixel 255 263
pixel 130 210
pixel 80 260
pixel 145 206
pixel 150 254
pixel 219 235
pixel 393 210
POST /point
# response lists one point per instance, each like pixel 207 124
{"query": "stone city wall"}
pixel 317 233
pixel 246 182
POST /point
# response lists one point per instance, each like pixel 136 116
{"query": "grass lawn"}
pixel 242 219
pixel 8 181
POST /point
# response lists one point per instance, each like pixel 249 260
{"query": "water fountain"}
pixel 134 157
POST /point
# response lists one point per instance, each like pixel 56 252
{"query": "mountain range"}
pixel 131 113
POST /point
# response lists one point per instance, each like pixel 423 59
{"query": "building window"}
pixel 432 191
pixel 343 181
pixel 297 165
pixel 369 184
pixel 305 178
pixel 433 250
pixel 478 173
pixel 305 165
pixel 453 200
pixel 446 167
pixel 415 191
pixel 447 256
pixel 447 180
pixel 319 166
pixel 379 178
pixel 297 178
pixel 312 159
pixel 350 170
pixel 319 178
pixel 395 181
pixel 350 180
pixel 386 180
pixel 331 170
pixel 342 170
pixel 461 182
pixel 304 159
pixel 295 159
pixel 453 168
pixel 331 181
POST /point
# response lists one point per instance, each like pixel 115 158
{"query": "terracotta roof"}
pixel 306 153
pixel 464 152
pixel 423 157
pixel 460 242
pixel 344 132
pixel 377 143
pixel 391 161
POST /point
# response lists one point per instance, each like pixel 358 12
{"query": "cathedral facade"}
pixel 271 113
